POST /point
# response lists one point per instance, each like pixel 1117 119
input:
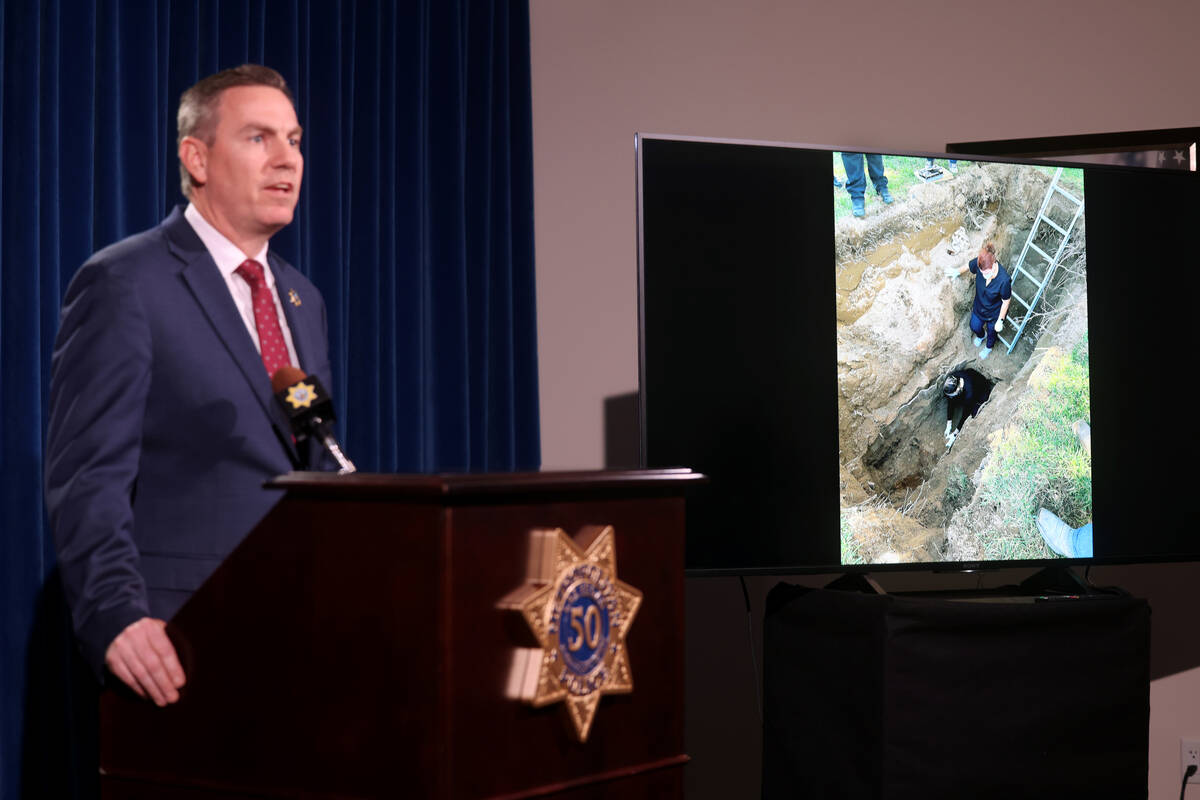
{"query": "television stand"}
pixel 896 696
pixel 1054 582
pixel 855 582
pixel 1059 580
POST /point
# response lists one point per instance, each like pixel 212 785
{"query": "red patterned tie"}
pixel 270 337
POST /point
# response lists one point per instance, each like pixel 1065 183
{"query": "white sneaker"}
pixel 984 353
pixel 978 340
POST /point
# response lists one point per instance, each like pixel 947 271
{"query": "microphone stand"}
pixel 335 450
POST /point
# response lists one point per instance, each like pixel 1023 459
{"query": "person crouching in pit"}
pixel 993 293
pixel 966 390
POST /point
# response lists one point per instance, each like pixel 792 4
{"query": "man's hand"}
pixel 144 659
pixel 999 326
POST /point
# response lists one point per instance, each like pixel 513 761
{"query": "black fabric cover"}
pixel 878 696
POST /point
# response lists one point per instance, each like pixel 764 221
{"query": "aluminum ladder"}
pixel 1050 261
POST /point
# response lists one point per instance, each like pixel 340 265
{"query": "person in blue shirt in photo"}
pixel 993 293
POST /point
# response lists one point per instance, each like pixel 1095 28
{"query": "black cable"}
pixel 753 654
pixel 1187 773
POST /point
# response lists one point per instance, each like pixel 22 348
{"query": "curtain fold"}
pixel 415 221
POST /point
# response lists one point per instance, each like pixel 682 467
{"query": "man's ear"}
pixel 193 154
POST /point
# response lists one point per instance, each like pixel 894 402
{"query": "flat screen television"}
pixel 813 332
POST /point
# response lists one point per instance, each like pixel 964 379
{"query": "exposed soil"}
pixel 903 326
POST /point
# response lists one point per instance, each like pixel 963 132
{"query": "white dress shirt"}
pixel 229 257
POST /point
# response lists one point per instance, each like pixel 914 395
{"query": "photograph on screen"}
pixel 962 360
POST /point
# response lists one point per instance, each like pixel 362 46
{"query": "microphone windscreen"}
pixel 285 377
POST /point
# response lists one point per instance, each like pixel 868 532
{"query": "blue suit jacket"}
pixel 162 426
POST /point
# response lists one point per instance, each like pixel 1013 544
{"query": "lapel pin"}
pixel 293 298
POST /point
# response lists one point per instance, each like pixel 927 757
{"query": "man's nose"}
pixel 284 154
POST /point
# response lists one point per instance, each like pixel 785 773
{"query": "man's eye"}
pixel 294 142
pixel 256 137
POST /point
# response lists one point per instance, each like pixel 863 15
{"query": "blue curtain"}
pixel 415 220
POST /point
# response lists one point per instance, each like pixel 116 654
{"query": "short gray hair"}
pixel 198 106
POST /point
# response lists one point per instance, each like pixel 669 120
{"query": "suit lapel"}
pixel 295 314
pixel 211 292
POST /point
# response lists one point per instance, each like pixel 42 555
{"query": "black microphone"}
pixel 309 409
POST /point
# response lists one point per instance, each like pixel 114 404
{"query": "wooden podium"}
pixel 352 646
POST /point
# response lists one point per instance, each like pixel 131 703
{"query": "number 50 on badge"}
pixel 580 614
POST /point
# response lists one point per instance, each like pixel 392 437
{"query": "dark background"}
pixel 737 372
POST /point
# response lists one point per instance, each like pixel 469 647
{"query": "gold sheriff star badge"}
pixel 580 614
pixel 301 395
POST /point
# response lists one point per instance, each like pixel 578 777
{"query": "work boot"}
pixel 858 207
pixel 1059 535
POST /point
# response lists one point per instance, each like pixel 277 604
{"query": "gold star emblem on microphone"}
pixel 301 395
pixel 580 614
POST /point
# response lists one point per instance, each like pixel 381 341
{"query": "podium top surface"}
pixel 466 486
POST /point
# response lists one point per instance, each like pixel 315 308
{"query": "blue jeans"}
pixel 856 182
pixel 978 326
pixel 929 162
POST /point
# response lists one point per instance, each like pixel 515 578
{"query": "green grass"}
pixel 958 488
pixel 850 551
pixel 1039 463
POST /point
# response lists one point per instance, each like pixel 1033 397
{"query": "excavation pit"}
pixel 903 327
pixel 906 451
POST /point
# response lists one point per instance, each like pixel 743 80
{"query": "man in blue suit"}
pixel 163 426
